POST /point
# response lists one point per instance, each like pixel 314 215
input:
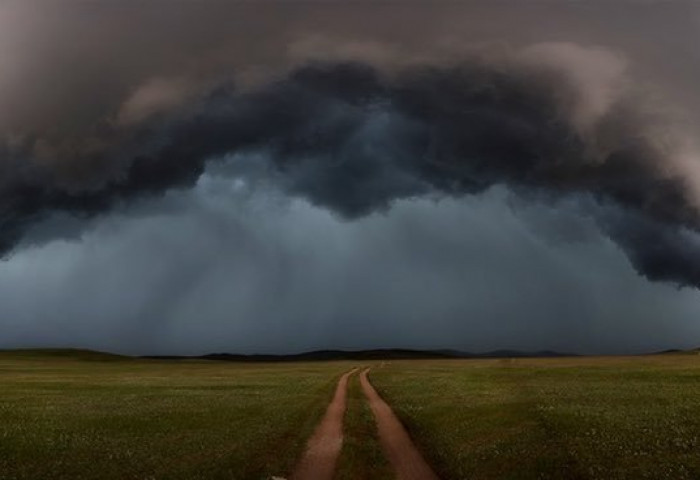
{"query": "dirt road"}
pixel 323 448
pixel 407 461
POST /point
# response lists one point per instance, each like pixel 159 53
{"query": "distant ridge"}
pixel 375 354
pixel 316 355
pixel 671 351
pixel 64 353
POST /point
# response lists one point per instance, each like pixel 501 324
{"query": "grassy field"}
pixel 576 418
pixel 78 415
pixel 87 416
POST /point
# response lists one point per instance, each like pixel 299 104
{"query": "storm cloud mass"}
pixel 280 177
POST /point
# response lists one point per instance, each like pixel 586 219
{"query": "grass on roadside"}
pixel 362 457
pixel 589 418
pixel 65 417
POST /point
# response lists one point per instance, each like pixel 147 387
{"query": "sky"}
pixel 281 176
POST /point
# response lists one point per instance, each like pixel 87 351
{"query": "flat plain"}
pixel 560 418
pixel 81 415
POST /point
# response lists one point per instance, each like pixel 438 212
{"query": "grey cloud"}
pixel 284 276
pixel 354 139
pixel 383 147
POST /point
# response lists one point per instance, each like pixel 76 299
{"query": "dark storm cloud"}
pixel 353 138
pixel 243 269
pixel 359 109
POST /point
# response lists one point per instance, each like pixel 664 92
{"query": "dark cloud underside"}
pixel 306 170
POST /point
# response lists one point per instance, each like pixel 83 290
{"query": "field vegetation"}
pixel 564 418
pixel 84 415
pixel 79 415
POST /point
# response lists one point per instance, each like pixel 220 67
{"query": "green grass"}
pixel 83 415
pixel 86 416
pixel 362 457
pixel 587 418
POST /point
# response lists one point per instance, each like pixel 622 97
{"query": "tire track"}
pixel 402 453
pixel 323 448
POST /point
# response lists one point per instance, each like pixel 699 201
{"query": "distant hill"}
pixel 375 354
pixel 671 351
pixel 317 355
pixel 63 353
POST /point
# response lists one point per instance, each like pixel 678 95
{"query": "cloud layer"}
pixel 222 268
pixel 353 138
pixel 505 138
